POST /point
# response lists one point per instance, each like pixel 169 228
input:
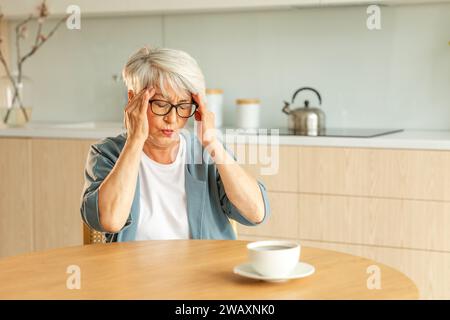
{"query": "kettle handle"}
pixel 308 88
pixel 286 108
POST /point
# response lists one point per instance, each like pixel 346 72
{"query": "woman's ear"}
pixel 130 95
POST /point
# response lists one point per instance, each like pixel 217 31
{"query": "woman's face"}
pixel 164 130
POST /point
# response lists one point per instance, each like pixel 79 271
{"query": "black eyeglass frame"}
pixel 173 106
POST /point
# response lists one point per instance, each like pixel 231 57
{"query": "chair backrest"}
pixel 92 236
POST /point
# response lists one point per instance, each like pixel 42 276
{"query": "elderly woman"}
pixel 158 181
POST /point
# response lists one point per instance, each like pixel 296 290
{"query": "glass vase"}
pixel 15 100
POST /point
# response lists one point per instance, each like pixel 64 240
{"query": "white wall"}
pixel 396 77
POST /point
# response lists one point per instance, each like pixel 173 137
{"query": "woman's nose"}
pixel 171 117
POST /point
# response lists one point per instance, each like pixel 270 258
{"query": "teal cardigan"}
pixel 208 206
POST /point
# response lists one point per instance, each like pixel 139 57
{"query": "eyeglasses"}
pixel 162 108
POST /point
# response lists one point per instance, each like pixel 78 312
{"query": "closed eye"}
pixel 185 105
pixel 162 104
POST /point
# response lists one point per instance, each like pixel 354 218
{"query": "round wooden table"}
pixel 187 269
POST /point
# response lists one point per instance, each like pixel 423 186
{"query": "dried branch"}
pixel 40 39
pixel 18 35
pixel 38 33
pixel 43 39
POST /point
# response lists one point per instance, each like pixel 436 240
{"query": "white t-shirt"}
pixel 163 207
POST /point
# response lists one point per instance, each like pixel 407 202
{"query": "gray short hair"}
pixel 159 67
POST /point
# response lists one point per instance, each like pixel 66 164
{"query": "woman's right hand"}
pixel 135 115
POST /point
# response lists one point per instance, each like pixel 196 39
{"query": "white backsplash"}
pixel 397 77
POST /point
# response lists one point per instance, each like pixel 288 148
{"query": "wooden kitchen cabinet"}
pixel 16 218
pixel 283 221
pixel 409 224
pixel 255 160
pixel 385 173
pixel 58 177
pixel 40 192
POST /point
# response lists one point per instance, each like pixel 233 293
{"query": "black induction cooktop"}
pixel 329 132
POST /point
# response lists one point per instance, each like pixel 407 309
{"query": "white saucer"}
pixel 301 270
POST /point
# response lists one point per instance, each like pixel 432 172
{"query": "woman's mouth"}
pixel 167 132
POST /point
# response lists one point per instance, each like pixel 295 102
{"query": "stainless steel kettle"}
pixel 306 120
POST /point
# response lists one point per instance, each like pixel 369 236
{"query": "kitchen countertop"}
pixel 80 130
pixel 408 139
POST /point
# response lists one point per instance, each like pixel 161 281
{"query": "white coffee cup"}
pixel 274 258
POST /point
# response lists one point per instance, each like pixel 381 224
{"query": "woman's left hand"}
pixel 205 126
